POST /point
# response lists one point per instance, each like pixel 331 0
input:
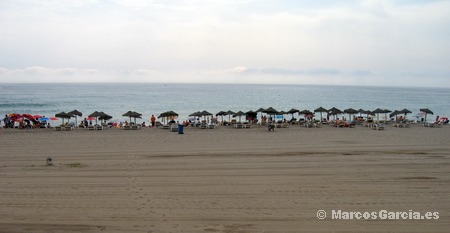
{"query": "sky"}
pixel 339 42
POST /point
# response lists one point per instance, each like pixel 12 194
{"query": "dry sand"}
pixel 222 180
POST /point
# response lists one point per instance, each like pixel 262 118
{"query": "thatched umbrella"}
pixel 378 111
pixel 104 117
pixel 405 111
pixel 128 114
pixel 334 111
pixel 205 113
pixel 426 111
pixel 221 114
pixel 172 115
pixel 75 113
pixel 395 113
pixel 293 111
pixel 350 112
pixel 321 110
pixel 63 116
pixel 135 115
pixel 239 114
pixel 196 114
pixel 229 113
pixel 96 115
pixel 271 111
pixel 260 110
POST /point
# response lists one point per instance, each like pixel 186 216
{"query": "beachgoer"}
pixel 7 121
pixel 153 120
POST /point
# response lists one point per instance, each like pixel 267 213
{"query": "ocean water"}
pixel 148 99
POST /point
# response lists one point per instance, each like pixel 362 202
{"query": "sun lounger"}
pixel 378 127
pixel 165 127
pixel 271 127
pixel 211 126
pixel 68 128
pixel 135 127
pixel 58 128
pixel 174 129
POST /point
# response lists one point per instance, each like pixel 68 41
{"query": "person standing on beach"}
pixel 153 120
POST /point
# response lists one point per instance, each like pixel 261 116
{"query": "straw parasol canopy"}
pixel 293 111
pixel 169 114
pixel 221 113
pixel 63 116
pixel 229 113
pixel 104 117
pixel 132 114
pixel 75 113
pixel 426 111
pixel 196 114
pixel 334 111
pixel 259 110
pixel 378 111
pixel 270 111
pixel 205 113
pixel 305 112
pixel 395 113
pixel 96 115
pixel 350 112
pixel 321 110
pixel 405 111
pixel 239 114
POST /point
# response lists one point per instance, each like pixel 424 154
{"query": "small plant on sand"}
pixel 74 165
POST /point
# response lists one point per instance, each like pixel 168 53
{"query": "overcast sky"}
pixel 373 42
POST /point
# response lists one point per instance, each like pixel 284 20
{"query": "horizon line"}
pixel 229 83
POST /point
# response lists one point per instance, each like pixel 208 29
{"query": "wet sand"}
pixel 223 179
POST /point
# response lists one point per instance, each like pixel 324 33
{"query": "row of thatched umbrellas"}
pixel 333 112
pixel 270 111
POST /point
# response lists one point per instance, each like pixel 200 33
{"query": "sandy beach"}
pixel 223 179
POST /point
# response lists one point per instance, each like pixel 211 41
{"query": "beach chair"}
pixel 126 127
pixel 58 128
pixel 271 127
pixel 378 127
pixel 135 127
pixel 211 126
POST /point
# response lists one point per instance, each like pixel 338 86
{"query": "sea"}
pixel 116 99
